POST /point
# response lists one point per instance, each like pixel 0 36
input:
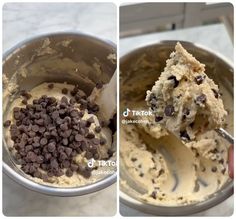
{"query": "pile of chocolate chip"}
pixel 49 133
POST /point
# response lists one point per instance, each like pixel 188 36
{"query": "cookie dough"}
pixel 169 172
pixel 184 99
pixel 59 90
pixel 156 166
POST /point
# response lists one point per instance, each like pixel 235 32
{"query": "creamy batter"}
pixel 170 172
pixel 184 99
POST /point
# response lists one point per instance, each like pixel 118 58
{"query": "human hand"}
pixel 231 161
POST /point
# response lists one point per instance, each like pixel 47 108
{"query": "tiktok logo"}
pixel 91 163
pixel 126 112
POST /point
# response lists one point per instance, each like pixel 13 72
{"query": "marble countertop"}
pixel 22 21
pixel 214 37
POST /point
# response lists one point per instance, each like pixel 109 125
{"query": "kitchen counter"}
pixel 214 37
pixel 20 22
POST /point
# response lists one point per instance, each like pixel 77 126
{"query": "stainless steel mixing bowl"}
pixel 76 58
pixel 134 70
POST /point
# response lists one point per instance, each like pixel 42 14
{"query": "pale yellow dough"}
pixel 183 85
pixel 160 162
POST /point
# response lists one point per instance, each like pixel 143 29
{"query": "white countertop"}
pixel 22 21
pixel 214 37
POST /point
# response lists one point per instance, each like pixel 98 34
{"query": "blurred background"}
pixel 207 24
pixel 136 19
pixel 22 21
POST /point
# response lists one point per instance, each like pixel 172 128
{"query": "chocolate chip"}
pixel 184 135
pixel 185 113
pixel 214 169
pixel 64 90
pixel 16 109
pixel 35 128
pixel 152 96
pixel 74 113
pixel 201 99
pixel 133 159
pixel 175 81
pixel 51 86
pixel 62 156
pixel 72 101
pixel 141 174
pixel 31 156
pixel 38 174
pixel 191 124
pixel 89 121
pixel 63 127
pixel 68 151
pixel 60 148
pixel 51 147
pixel 54 164
pixel 158 118
pixel 24 101
pixel 81 114
pixel 25 94
pixel 79 137
pixel 42 130
pixel 96 141
pixel 83 124
pixel 65 101
pixel 203 169
pixel 40 159
pixel 59 121
pixel 28 148
pixel 84 171
pixel 43 141
pixel 88 155
pixel 216 94
pixel 36 144
pixel 154 195
pixel 39 122
pixel 74 167
pixel 103 141
pixel 98 129
pixel 69 173
pixel 7 123
pixel 65 141
pixel 169 110
pixel 223 171
pixel 90 136
pixel 221 161
pixel 199 79
pixel 99 85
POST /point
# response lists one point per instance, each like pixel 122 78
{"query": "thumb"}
pixel 231 161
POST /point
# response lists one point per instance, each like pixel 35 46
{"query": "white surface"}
pixel 22 21
pixel 214 37
pixel 18 201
